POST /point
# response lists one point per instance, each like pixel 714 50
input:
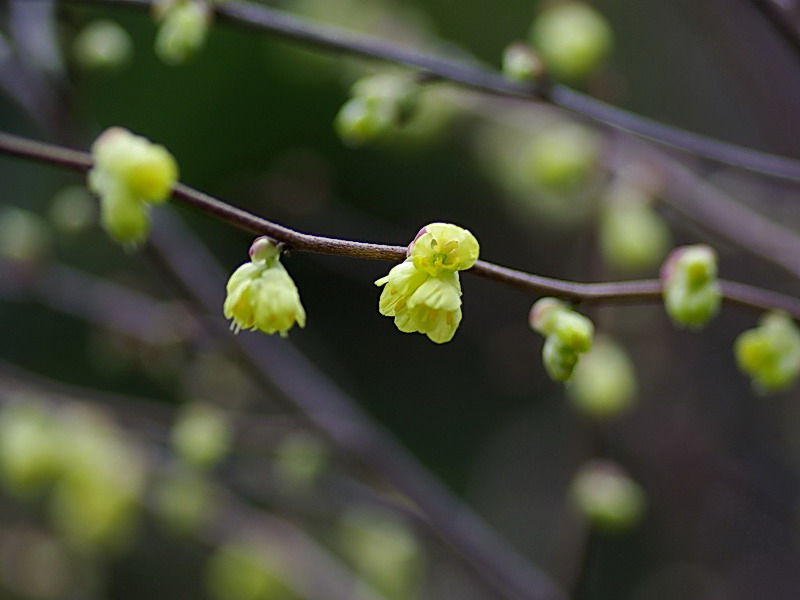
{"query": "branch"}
pixel 785 16
pixel 474 76
pixel 624 291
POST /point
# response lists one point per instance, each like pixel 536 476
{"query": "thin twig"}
pixel 475 76
pixel 644 291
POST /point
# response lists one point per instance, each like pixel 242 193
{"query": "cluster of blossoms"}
pixel 130 173
pixel 692 295
pixel 423 293
pixel 568 334
pixel 261 293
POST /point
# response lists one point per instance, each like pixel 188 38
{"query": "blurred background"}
pixel 147 453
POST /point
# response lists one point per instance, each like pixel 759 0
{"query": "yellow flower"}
pixel 442 248
pixel 262 295
pixel 148 171
pixel 419 302
pixel 129 173
pixel 423 293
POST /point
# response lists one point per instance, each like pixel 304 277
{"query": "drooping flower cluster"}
pixel 262 295
pixel 129 174
pixel 692 295
pixel 423 293
pixel 567 334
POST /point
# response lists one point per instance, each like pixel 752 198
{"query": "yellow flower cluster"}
pixel 129 173
pixel 423 293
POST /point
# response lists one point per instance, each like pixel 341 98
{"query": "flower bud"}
pixel 632 236
pixel 606 496
pixel 770 353
pixel 299 460
pixel 383 551
pixel 182 32
pixel 103 44
pixel 561 158
pixel 359 122
pixel 692 295
pixel 604 382
pixel 559 360
pixel 72 210
pixel 378 105
pixel 28 452
pixel 24 236
pixel 96 499
pixel 244 569
pixel 573 38
pixel 567 333
pixel 183 500
pixel 521 63
pixel 201 435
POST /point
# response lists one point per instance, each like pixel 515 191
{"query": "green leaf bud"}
pixel 561 158
pixel 604 494
pixel 770 353
pixel 182 32
pixel 201 434
pixel 29 456
pixel 573 38
pixel 104 45
pixel 24 236
pixel 521 63
pixel 632 236
pixel 247 570
pixel 692 295
pixel 604 382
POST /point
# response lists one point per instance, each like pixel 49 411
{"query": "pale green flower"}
pixel 262 295
pixel 423 293
pixel 129 173
pixel 148 171
pixel 421 303
pixel 442 248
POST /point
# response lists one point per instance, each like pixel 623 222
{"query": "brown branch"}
pixel 624 291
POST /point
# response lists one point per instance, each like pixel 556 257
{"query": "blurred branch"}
pixel 785 15
pixel 282 24
pixel 718 211
pixel 624 291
